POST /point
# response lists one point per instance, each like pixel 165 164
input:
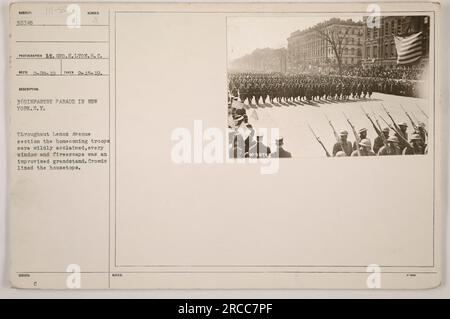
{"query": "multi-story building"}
pixel 309 48
pixel 261 61
pixel 379 44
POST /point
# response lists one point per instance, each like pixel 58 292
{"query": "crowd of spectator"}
pixel 397 72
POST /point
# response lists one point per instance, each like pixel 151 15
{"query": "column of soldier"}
pixel 277 87
pixel 384 143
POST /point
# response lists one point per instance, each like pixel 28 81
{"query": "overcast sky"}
pixel 246 34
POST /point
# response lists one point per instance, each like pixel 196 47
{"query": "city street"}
pixel 292 119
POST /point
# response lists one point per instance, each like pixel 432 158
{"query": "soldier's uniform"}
pixel 403 126
pixel 390 149
pixel 417 146
pixel 343 145
pixel 378 142
pixel 365 149
pixel 362 135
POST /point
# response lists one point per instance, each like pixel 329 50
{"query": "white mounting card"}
pixel 225 145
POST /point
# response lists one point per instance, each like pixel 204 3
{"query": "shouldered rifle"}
pixel 390 116
pixel 357 139
pixel 376 121
pixel 400 136
pixel 318 140
pixel 380 130
pixel 377 130
pixel 410 118
pixel 336 135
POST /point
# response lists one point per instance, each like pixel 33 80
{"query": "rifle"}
pixel 318 140
pixel 377 130
pixel 424 114
pixel 377 127
pixel 410 118
pixel 392 119
pixel 357 139
pixel 376 120
pixel 336 135
pixel 400 136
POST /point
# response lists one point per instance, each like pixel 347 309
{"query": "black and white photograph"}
pixel 331 86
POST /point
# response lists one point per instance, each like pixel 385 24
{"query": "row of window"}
pixel 389 51
pixel 389 28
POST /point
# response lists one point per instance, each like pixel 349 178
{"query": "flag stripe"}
pixel 410 60
pixel 405 45
pixel 409 49
pixel 411 54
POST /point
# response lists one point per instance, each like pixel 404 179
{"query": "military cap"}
pixel 415 136
pixel 386 129
pixel 342 133
pixel 402 124
pixel 393 139
pixel 362 130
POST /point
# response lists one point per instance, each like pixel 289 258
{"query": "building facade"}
pixel 379 44
pixel 261 61
pixel 309 48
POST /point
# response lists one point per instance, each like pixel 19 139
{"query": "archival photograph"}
pixel 329 86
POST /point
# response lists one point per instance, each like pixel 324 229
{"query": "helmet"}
pixel 393 139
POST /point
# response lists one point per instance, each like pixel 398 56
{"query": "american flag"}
pixel 409 49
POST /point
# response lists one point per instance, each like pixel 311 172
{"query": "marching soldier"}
pixel 422 131
pixel 365 149
pixel 362 135
pixel 378 142
pixel 392 147
pixel 343 144
pixel 403 127
pixel 416 147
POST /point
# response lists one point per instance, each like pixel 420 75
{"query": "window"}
pixel 393 50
